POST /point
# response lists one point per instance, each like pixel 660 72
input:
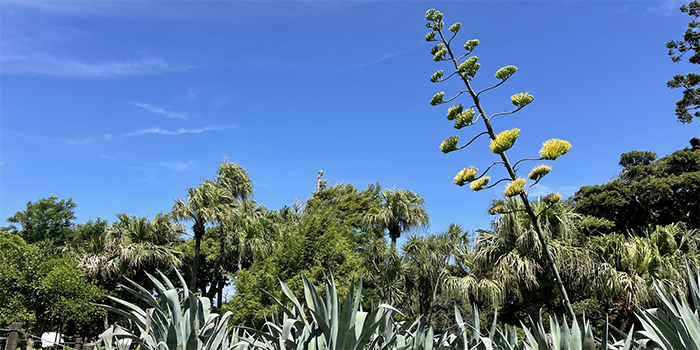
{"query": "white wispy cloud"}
pixel 377 60
pixel 192 95
pixel 67 141
pixel 665 8
pixel 179 131
pixel 174 165
pixel 164 112
pixel 47 64
pixel 110 137
pixel 149 175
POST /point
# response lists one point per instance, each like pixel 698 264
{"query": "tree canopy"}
pixel 689 82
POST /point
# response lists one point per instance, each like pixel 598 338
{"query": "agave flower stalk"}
pixel 466 69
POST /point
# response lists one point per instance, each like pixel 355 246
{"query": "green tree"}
pixel 648 192
pixel 46 219
pixel 465 67
pixel 320 240
pixel 689 82
pixel 401 211
pixel 48 291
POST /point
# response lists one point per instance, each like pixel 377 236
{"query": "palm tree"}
pixel 202 207
pixel 429 260
pixel 234 187
pixel 402 211
pixel 508 262
pixel 133 245
pixel 627 266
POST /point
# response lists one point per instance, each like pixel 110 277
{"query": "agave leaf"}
pixel 576 339
pixel 288 292
pixel 693 326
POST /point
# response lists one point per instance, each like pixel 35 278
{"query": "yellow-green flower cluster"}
pixel 497 209
pixel 437 76
pixel 552 198
pixel 504 140
pixel 449 145
pixel 465 175
pixel 437 98
pixel 435 17
pixel 480 183
pixel 515 187
pixel 430 36
pixel 505 72
pixel 539 171
pixel 522 99
pixel 454 111
pixel 471 44
pixel 464 118
pixel 438 51
pixel 470 66
pixel 554 148
pixel 455 27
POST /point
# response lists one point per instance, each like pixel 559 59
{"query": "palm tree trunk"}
pixel 198 229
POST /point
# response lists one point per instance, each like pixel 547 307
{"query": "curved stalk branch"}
pixel 495 183
pixel 514 211
pixel 532 184
pixel 474 139
pixel 448 77
pixel 505 113
pixel 545 209
pixel 453 36
pixel 524 159
pixel 463 56
pixel 487 169
pixel 455 96
pixel 492 87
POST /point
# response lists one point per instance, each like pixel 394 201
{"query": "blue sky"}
pixel 124 105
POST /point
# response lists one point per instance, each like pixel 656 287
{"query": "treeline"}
pixel 610 243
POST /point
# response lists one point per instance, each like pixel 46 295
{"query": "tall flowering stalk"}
pixel 466 67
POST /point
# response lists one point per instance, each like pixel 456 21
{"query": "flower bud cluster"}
pixel 504 141
pixel 470 66
pixel 430 36
pixel 554 148
pixel 449 145
pixel 455 27
pixel 471 44
pixel 505 72
pixel 437 98
pixel 465 175
pixel 497 209
pixel 552 198
pixel 514 188
pixel 522 99
pixel 440 55
pixel 480 183
pixel 464 119
pixel 454 111
pixel 437 76
pixel 539 171
pixel 435 17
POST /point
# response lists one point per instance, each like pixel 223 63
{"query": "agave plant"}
pixel 175 319
pixel 326 323
pixel 676 324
